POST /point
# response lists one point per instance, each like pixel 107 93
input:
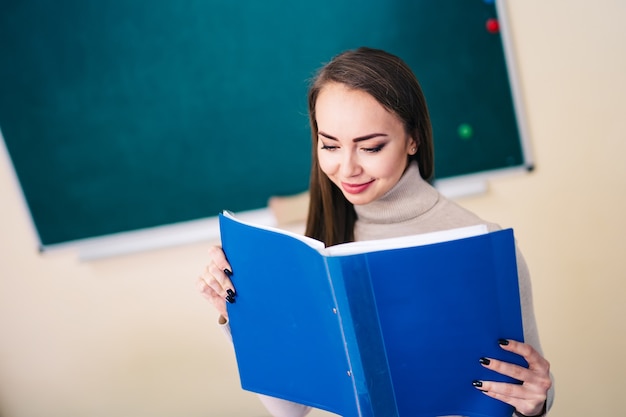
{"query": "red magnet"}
pixel 493 26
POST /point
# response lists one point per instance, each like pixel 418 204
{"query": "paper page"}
pixel 314 243
pixel 364 246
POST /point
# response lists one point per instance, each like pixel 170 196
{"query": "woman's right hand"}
pixel 215 284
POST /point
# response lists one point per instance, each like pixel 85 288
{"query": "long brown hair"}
pixel 391 82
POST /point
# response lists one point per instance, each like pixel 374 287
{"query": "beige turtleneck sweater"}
pixel 411 207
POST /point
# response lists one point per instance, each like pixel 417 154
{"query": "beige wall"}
pixel 129 336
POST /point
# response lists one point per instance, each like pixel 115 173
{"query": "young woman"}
pixel 372 157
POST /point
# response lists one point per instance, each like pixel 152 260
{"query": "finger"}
pixel 524 401
pixel 534 359
pixel 220 269
pixel 218 257
pixel 218 302
pixel 219 282
pixel 504 391
pixel 517 372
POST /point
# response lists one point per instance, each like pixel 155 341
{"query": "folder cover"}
pixel 384 328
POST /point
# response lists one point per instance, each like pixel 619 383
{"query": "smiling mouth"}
pixel 356 188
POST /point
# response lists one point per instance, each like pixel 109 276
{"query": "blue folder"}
pixel 394 332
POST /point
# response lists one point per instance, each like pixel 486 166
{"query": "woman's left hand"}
pixel 528 397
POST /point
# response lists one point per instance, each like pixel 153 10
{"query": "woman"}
pixel 372 157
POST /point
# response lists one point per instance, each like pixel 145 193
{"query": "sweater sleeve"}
pixel 277 407
pixel 531 333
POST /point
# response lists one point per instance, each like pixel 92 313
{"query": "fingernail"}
pixel 503 342
pixel 484 361
pixel 228 272
pixel 230 299
pixel 477 383
pixel 231 293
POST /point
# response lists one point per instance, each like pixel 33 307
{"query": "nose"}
pixel 350 166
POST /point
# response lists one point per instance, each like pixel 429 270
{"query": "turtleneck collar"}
pixel 411 197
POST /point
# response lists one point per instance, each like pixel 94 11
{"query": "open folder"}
pixel 384 328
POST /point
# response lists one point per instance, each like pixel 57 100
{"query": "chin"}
pixel 358 200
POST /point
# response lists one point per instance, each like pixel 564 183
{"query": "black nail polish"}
pixel 477 383
pixel 503 342
pixel 230 299
pixel 484 361
pixel 228 272
pixel 230 292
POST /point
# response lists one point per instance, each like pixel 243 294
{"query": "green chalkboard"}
pixel 121 115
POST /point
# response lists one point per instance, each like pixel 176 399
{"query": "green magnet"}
pixel 465 131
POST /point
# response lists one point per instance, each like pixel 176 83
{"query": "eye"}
pixel 374 149
pixel 328 147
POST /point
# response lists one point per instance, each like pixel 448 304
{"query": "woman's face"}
pixel 361 147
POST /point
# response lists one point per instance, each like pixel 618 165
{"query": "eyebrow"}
pixel 359 139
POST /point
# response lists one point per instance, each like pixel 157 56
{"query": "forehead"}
pixel 345 111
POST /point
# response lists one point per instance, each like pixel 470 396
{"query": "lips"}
pixel 356 188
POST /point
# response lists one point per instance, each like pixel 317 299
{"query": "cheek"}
pixel 389 167
pixel 326 163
